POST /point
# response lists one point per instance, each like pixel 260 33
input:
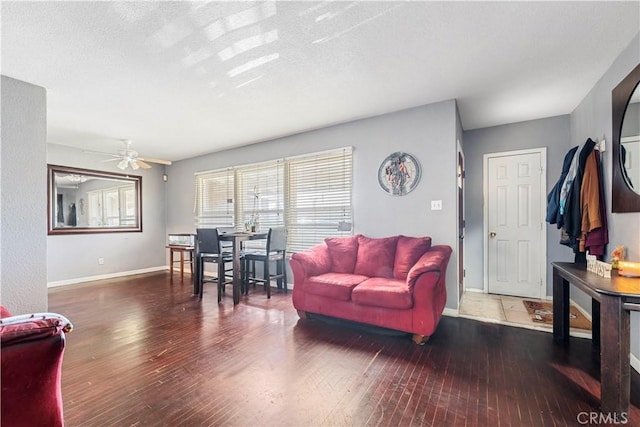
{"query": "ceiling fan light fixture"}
pixel 134 165
pixel 122 164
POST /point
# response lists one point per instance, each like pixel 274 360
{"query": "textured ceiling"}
pixel 186 78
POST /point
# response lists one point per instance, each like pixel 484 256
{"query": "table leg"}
pixel 236 270
pixel 181 266
pixel 170 265
pixel 615 374
pixel 595 323
pixel 560 308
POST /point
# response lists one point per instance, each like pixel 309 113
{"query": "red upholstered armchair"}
pixel 31 350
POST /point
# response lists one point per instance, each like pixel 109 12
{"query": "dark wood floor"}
pixel 145 352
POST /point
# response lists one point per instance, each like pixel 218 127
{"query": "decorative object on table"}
pixel 253 222
pixel 181 240
pixel 629 268
pixel 399 173
pixel 542 312
pixel 600 268
pixel 616 256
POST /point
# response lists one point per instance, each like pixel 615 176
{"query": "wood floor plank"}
pixel 144 351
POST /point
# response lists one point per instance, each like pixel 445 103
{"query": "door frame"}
pixel 460 212
pixel 543 210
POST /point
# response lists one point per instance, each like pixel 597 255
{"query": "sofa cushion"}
pixel 376 256
pixel 333 285
pixel 408 252
pixel 386 293
pixel 343 252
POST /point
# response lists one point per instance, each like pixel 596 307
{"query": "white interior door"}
pixel 514 215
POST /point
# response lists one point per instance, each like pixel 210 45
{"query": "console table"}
pixel 612 301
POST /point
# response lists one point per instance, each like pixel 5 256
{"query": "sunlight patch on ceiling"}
pixel 194 57
pixel 353 27
pixel 249 81
pixel 253 64
pixel 240 19
pixel 245 45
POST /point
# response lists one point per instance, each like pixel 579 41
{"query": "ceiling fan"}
pixel 129 157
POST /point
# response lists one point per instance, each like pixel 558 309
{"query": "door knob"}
pixel 492 234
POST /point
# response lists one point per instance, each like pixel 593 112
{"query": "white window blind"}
pixel 214 204
pixel 260 195
pixel 318 197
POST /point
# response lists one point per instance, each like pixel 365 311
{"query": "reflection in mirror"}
pixel 87 201
pixel 630 143
pixel 625 112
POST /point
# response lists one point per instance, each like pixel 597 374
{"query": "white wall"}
pixel 74 258
pixel 427 132
pixel 23 196
pixel 592 118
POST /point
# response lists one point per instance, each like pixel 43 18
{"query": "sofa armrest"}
pixel 31 367
pixel 434 260
pixel 313 261
pixel 27 327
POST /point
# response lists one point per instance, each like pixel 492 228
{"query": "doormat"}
pixel 542 312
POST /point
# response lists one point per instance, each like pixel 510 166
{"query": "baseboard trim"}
pixel 635 363
pixel 104 276
pixel 451 312
pixel 480 291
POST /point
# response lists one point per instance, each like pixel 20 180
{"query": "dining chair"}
pixel 208 249
pixel 273 252
pixel 226 246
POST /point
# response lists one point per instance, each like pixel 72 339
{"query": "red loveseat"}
pixel 31 350
pixel 394 282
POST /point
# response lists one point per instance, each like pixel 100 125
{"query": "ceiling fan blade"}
pixel 111 160
pixel 100 153
pixel 140 163
pixel 158 161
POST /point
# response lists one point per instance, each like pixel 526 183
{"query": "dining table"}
pixel 237 237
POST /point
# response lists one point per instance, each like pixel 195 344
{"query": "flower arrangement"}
pixel 252 223
pixel 616 256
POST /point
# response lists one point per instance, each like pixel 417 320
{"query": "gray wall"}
pixel 74 258
pixel 427 132
pixel 592 118
pixel 23 196
pixel 553 133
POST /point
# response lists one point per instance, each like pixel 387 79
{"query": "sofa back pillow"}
pixel 376 256
pixel 408 252
pixel 343 252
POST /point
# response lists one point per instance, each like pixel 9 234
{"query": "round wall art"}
pixel 399 173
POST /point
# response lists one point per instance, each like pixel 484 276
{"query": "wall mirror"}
pixel 88 201
pixel 626 144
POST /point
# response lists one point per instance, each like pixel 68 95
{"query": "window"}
pixel 310 195
pixel 319 198
pixel 260 194
pixel 112 207
pixel 214 198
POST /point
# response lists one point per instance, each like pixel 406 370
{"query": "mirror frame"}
pixel 51 200
pixel 623 198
